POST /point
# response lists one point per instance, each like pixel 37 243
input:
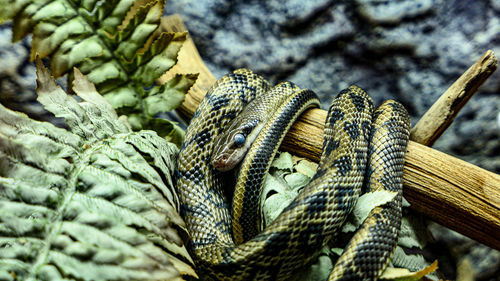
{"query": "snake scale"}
pixel 363 149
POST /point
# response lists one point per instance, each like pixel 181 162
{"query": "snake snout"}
pixel 221 162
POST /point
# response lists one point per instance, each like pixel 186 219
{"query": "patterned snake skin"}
pixel 362 149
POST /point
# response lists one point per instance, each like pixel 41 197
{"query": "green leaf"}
pixel 7 12
pixel 306 167
pixel 337 251
pixel 319 270
pixel 365 204
pixel 167 128
pixel 282 186
pixel 115 43
pixel 136 32
pixel 175 136
pixel 93 203
pixel 297 180
pixel 124 97
pixel 276 195
pixel 413 262
pixel 413 232
pixel 168 96
pixel 160 57
pixel 283 161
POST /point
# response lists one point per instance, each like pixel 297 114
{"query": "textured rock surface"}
pixel 406 50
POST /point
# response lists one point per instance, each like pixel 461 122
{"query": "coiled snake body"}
pixel 362 148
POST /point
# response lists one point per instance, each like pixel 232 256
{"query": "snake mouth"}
pixel 223 163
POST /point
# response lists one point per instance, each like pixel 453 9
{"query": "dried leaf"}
pixel 403 274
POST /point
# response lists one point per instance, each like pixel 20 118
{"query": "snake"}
pixel 227 150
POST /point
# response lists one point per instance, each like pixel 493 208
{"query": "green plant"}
pixel 96 203
pixel 117 44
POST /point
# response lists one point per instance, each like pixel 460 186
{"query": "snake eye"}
pixel 239 140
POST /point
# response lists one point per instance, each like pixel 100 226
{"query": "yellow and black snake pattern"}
pixel 363 149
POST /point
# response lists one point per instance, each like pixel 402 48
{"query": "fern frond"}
pixel 116 43
pixel 96 203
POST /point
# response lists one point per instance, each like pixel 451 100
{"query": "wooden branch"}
pixel 454 193
pixel 437 119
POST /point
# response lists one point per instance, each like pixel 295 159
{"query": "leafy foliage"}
pixel 96 203
pixel 117 44
pixel 289 174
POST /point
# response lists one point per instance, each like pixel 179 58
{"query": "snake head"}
pixel 233 144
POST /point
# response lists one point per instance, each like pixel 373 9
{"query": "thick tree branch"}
pixel 437 119
pixel 454 193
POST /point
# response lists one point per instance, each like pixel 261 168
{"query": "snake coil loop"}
pixel 362 148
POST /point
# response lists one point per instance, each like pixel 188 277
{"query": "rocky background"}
pixel 409 50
